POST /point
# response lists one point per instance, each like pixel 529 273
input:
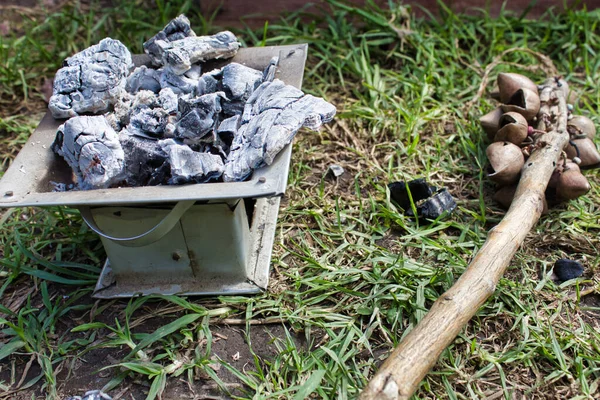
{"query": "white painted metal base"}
pixel 137 271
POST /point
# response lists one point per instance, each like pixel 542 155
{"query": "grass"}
pixel 351 275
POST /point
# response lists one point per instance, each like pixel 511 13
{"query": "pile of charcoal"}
pixel 510 128
pixel 172 123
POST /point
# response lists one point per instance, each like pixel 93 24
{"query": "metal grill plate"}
pixel 27 182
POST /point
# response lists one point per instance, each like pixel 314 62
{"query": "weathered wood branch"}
pixel 400 375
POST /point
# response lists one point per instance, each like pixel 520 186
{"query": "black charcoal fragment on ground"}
pixel 430 202
pixel 91 80
pixel 91 148
pixel 271 118
pixel 566 269
pixel 179 55
pixel 177 29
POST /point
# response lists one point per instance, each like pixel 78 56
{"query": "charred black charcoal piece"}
pixel 189 166
pixel 143 158
pixel 91 148
pixel 91 80
pixel 430 202
pixel 179 55
pixel 419 190
pixel 566 269
pixel 272 116
pixel 177 29
pixel 441 203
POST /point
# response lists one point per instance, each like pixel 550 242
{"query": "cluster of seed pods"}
pixel 510 128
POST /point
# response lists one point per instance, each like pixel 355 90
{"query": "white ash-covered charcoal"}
pixel 271 118
pixel 226 132
pixel 176 29
pixel 240 81
pixel 143 78
pixel 179 55
pixel 210 82
pixel 144 161
pixel 238 84
pixel 148 122
pixel 91 148
pixel 180 84
pixel 189 166
pixel 168 100
pixel 198 117
pixel 269 72
pixel 91 80
pixel 118 118
pixel 148 117
pixel 194 73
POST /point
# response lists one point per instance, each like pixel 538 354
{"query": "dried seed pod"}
pixel 505 195
pixel 587 152
pixel 506 160
pixel 495 94
pixel 525 102
pixel 489 122
pixel 572 184
pixel 513 128
pixel 509 83
pixel 560 168
pixel 580 125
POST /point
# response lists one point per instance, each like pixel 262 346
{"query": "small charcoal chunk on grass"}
pixel 438 205
pixel 566 269
pixel 419 190
pixel 430 202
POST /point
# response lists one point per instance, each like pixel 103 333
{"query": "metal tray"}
pixel 27 182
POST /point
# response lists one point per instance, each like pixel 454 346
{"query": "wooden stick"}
pixel 400 375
